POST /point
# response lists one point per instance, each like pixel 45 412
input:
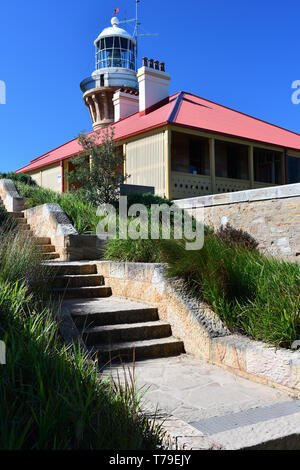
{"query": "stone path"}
pixel 216 406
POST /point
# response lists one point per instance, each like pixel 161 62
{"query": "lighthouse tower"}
pixel 115 69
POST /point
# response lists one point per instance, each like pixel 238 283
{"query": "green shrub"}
pixel 147 199
pixel 19 178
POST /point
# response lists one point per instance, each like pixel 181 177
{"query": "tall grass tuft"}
pixel 253 294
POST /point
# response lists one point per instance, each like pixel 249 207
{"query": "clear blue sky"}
pixel 243 54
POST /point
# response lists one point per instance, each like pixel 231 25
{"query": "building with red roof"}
pixel 182 145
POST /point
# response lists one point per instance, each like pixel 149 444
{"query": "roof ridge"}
pixel 244 114
pixel 176 107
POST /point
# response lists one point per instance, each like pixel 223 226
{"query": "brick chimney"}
pixel 154 84
pixel 126 102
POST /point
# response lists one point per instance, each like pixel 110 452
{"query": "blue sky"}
pixel 244 55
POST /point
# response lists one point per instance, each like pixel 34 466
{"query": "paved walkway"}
pixel 228 410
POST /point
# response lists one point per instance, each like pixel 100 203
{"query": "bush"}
pixel 147 199
pixel 19 178
pixel 232 236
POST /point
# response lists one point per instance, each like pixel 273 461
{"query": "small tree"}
pixel 98 171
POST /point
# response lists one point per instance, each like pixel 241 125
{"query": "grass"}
pixel 50 398
pixel 253 294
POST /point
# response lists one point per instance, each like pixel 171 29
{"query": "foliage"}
pixel 232 236
pixel 147 200
pixel 253 294
pixel 81 212
pixel 98 171
pixel 19 178
pixel 53 397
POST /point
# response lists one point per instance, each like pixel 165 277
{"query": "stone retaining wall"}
pixel 271 215
pixel 49 220
pixel 201 330
pixel 10 196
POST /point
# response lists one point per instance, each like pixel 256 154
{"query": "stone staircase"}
pixel 48 250
pixel 112 328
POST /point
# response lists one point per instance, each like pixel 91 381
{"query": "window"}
pixel 231 161
pixel 267 166
pixel 115 52
pixel 293 169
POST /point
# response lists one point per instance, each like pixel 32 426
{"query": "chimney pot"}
pixel 151 63
pixel 162 67
pixel 145 61
pixel 156 65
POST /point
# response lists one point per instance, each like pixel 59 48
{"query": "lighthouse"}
pixel 115 70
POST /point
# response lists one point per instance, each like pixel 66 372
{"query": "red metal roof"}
pixel 187 110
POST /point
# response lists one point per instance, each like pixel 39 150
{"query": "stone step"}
pixel 49 256
pixel 47 248
pixel 17 215
pixel 114 317
pixel 21 221
pixel 163 347
pixel 43 240
pixel 24 227
pixel 78 280
pixel 74 268
pixel 126 332
pixel 83 292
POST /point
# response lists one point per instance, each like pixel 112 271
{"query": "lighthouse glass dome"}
pixel 115 48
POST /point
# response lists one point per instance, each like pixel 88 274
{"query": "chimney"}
pixel 126 102
pixel 154 84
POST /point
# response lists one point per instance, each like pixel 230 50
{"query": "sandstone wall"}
pixel 271 215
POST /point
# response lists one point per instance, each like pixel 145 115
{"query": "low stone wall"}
pixel 49 220
pixel 271 215
pixel 10 196
pixel 203 333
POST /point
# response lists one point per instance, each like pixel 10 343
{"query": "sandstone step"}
pixel 49 256
pixel 126 332
pixel 114 317
pixel 76 268
pixel 43 240
pixel 24 227
pixel 83 292
pixel 78 280
pixel 47 248
pixel 21 221
pixel 18 215
pixel 129 351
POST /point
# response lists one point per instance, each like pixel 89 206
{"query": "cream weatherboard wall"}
pixel 49 177
pixel 36 176
pixel 145 162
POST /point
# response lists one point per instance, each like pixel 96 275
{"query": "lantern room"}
pixel 115 48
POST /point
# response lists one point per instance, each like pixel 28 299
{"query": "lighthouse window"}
pixel 109 43
pixel 124 43
pixel 115 52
